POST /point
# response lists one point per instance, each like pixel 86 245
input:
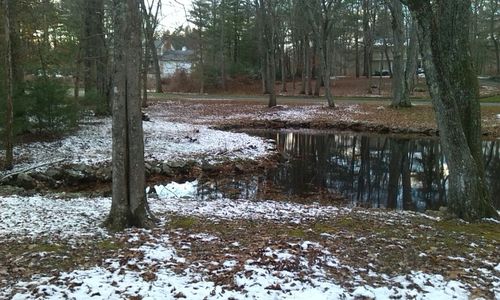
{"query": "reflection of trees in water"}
pixel 491 152
pixel 374 171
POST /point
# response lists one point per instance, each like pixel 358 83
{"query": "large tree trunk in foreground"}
pixel 9 113
pixel 129 205
pixel 453 85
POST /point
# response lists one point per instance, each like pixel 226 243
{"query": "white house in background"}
pixel 171 60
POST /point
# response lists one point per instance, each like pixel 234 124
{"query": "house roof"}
pixel 177 55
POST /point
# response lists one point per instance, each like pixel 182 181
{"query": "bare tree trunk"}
pixel 494 32
pixel 356 47
pixel 129 204
pixel 305 65
pixel 151 22
pixel 411 61
pixel 76 76
pixel 260 13
pixel 497 53
pixel 398 70
pixel 145 69
pixel 222 47
pixel 294 65
pixel 317 70
pixel 9 113
pixel 283 67
pixel 453 85
pixel 325 69
pixel 265 8
pixel 367 40
pixel 272 75
pixel 310 64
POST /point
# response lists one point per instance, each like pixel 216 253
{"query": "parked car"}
pixel 382 73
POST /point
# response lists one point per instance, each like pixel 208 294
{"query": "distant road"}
pixel 264 98
pixel 290 99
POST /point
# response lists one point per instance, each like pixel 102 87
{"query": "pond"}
pixel 360 170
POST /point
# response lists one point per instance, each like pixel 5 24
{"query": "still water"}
pixel 363 170
pixel 373 170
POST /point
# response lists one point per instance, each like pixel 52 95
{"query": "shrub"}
pixel 49 108
pixel 96 102
pixel 183 82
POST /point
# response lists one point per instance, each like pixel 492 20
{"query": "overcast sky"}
pixel 174 14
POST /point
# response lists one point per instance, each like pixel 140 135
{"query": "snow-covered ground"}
pixel 153 275
pixel 156 267
pixel 164 140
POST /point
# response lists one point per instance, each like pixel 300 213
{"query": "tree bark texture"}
pixel 9 113
pixel 305 64
pixel 451 78
pixel 494 32
pixel 268 32
pixel 398 69
pixel 367 40
pixel 320 17
pixel 411 60
pixel 129 204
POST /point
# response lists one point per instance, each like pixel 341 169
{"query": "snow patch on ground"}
pixel 245 209
pixel 155 273
pixel 258 279
pixel 49 216
pixel 36 216
pixel 91 144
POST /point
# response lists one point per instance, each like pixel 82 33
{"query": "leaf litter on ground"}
pixel 53 248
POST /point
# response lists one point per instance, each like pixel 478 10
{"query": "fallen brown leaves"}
pixel 375 117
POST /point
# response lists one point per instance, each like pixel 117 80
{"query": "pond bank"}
pixel 52 246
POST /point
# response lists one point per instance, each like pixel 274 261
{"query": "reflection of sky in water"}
pixel 177 190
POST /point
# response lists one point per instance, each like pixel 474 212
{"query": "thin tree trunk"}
pixel 367 40
pixel 222 47
pixel 293 65
pixel 387 58
pixel 497 53
pixel 76 78
pixel 151 21
pixel 493 22
pixel 356 47
pixel 283 68
pixel 145 66
pixel 411 61
pixel 305 65
pixel 398 70
pixel 9 113
pixel 325 69
pixel 266 7
pixel 260 46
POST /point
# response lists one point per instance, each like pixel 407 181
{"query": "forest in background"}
pixel 230 39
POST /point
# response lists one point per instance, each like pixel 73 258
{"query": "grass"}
pixel 487 231
pixel 181 222
pixel 491 99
